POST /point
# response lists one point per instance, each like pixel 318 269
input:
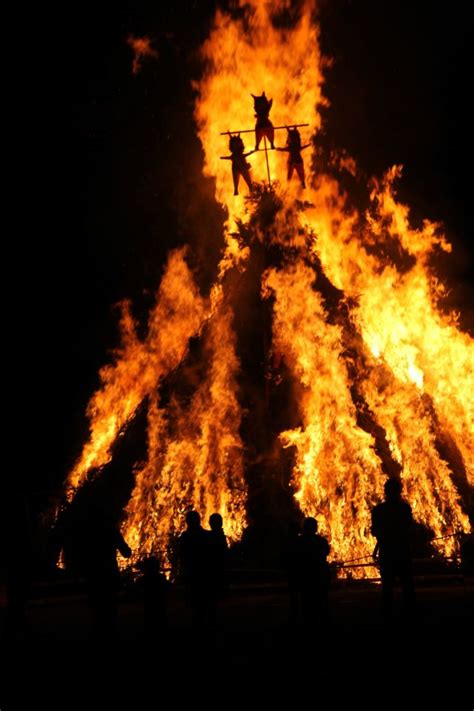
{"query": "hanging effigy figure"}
pixel 263 126
pixel 240 167
pixel 293 148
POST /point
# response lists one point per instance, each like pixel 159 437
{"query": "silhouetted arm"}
pixel 226 157
pixel 305 146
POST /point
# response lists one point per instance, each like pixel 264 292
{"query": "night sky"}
pixel 114 168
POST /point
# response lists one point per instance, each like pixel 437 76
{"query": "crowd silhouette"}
pixel 90 539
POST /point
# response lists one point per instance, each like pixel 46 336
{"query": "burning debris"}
pixel 142 49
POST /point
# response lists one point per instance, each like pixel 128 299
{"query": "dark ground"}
pixel 253 611
pixel 255 653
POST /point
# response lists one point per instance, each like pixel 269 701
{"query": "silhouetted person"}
pixel 102 572
pixel 218 565
pixel 240 167
pixel 155 593
pixel 263 125
pixel 392 526
pixel 90 544
pixel 194 561
pixel 295 160
pixel 312 573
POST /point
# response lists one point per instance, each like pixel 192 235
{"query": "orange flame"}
pixel 178 314
pixel 337 473
pixel 195 455
pixel 389 356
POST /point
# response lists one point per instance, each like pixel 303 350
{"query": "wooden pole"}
pixel 266 158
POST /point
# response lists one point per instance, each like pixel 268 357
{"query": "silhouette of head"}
pixel 215 522
pixel 293 138
pixel 193 519
pixel 261 104
pixel 393 489
pixel 236 144
pixel 310 525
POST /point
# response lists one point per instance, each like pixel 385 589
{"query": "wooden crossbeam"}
pixel 252 130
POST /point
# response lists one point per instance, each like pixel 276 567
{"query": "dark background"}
pixel 111 176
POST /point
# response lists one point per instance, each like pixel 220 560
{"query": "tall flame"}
pixel 245 56
pixel 337 473
pixel 195 457
pixel 177 316
pixel 382 383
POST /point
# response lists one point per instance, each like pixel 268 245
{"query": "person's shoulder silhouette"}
pixel 193 542
pixel 312 540
pixel 392 520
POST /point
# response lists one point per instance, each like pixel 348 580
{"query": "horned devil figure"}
pixel 263 125
pixel 294 148
pixel 240 167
